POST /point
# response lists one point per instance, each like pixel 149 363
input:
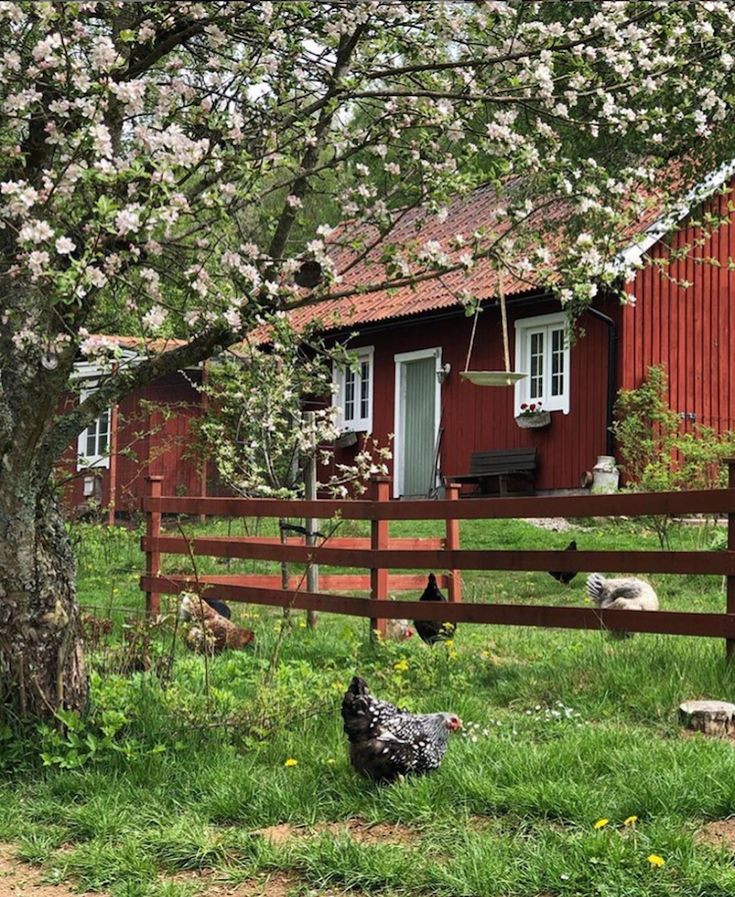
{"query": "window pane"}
pixel 364 389
pixel 91 449
pixel 557 362
pixel 349 395
pixel 536 384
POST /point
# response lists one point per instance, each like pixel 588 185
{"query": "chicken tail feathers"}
pixel 596 587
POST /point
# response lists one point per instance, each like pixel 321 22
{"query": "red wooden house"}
pixel 413 341
pixel 147 433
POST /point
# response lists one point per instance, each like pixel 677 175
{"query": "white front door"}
pixel 417 413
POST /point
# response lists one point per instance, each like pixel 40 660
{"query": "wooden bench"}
pixel 500 465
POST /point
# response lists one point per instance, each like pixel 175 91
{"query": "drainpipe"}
pixel 612 371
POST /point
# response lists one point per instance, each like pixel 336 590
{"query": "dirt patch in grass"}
pixel 270 884
pixel 18 879
pixel 358 829
pixel 720 833
pixel 274 884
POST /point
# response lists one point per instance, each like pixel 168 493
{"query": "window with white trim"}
pixel 542 353
pixel 93 444
pixel 354 392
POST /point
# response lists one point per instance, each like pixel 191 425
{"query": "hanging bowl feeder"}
pixel 492 378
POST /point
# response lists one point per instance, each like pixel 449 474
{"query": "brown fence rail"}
pixel 380 554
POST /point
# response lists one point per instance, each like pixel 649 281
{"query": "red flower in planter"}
pixel 531 410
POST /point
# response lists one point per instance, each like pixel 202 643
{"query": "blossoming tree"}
pixel 268 416
pixel 158 161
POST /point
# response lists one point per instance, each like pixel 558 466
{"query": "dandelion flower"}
pixel 601 823
pixel 401 666
pixel 631 820
pixel 655 860
pixel 291 762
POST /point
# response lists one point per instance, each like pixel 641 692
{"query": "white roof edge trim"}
pixel 629 260
pixel 88 370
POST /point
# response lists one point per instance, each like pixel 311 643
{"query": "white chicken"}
pixel 623 593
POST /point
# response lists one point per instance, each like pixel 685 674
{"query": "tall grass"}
pixel 563 728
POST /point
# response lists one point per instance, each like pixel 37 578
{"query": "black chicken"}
pixel 222 609
pixel 566 578
pixel 387 742
pixel 432 631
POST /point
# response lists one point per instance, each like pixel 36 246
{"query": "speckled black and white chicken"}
pixel 387 742
pixel 623 593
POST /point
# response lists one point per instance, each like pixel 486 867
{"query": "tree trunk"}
pixel 41 659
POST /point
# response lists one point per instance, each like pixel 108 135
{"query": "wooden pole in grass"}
pixel 453 544
pixel 311 524
pixel 730 579
pixel 153 556
pixel 379 539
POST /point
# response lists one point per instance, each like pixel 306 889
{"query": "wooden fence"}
pixel 381 554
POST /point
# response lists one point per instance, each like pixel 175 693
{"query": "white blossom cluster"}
pixel 170 161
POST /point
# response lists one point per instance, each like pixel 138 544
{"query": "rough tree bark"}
pixel 41 657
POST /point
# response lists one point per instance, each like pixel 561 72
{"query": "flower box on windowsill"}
pixel 534 421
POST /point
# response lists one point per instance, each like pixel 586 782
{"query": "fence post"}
pixel 112 479
pixel 455 577
pixel 730 579
pixel 153 557
pixel 311 524
pixel 379 539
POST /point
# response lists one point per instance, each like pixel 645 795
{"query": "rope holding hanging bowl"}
pixel 492 378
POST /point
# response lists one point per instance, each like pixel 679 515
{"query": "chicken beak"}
pixel 456 725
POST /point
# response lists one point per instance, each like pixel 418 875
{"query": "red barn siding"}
pixel 476 418
pixel 689 331
pixel 149 441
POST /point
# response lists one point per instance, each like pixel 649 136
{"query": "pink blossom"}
pixel 37 261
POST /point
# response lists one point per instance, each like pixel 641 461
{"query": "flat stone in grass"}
pixel 710 717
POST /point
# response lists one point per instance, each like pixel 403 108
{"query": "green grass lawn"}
pixel 563 729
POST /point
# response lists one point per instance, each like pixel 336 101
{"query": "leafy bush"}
pixel 656 455
pixel 109 730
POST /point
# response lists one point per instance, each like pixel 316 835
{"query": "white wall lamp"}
pixel 443 372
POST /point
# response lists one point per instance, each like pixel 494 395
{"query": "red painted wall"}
pixel 481 418
pixel 690 331
pixel 150 440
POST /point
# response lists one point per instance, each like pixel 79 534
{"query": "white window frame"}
pixel 524 328
pixel 85 461
pixel 357 422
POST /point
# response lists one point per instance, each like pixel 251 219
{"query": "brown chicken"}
pixel 214 632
